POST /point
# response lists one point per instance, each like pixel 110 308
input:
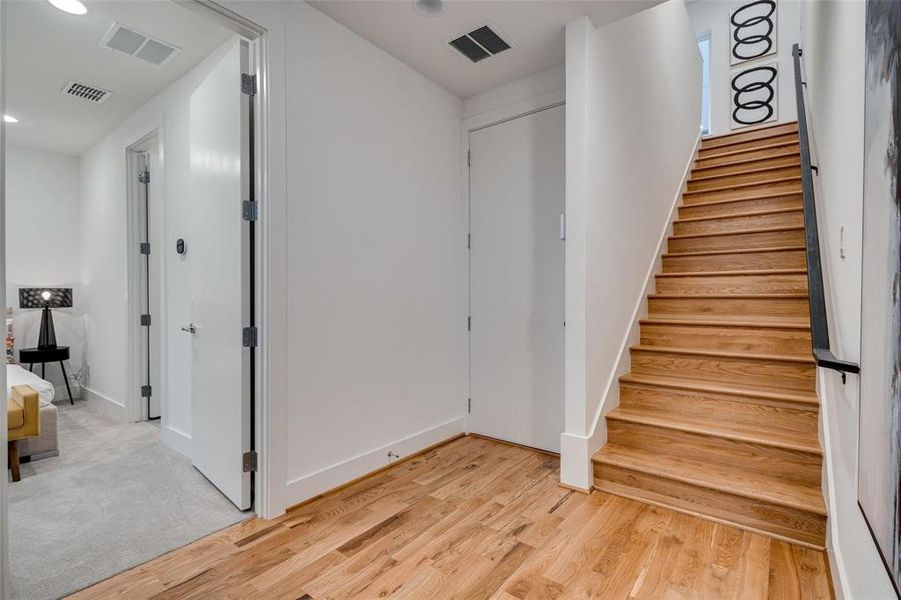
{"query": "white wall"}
pixel 42 248
pixel 104 251
pixel 713 16
pixel 626 160
pixel 549 83
pixel 834 63
pixel 375 257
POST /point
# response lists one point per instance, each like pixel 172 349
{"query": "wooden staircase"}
pixel 718 416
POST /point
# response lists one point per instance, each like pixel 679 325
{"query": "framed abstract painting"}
pixel 879 446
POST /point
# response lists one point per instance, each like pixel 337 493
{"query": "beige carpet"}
pixel 114 498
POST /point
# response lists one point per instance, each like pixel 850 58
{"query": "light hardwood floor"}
pixel 477 519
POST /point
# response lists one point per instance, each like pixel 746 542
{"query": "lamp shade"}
pixel 41 297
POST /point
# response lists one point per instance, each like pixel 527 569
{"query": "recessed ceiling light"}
pixel 429 8
pixel 10 119
pixel 73 7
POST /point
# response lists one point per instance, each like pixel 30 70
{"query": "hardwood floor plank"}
pixel 476 519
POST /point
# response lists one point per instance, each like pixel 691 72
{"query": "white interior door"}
pixel 217 254
pixel 517 279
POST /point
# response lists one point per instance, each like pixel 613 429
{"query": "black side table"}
pixel 45 355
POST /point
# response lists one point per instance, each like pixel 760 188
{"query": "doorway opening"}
pixel 704 48
pixel 132 209
pixel 145 223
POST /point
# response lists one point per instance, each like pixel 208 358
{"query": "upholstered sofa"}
pixel 22 421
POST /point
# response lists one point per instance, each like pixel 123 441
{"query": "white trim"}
pixel 135 350
pixel 270 369
pixel 176 439
pixel 313 484
pixel 575 467
pixel 107 406
pixel 518 109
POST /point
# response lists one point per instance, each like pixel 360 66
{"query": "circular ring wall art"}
pixel 754 95
pixel 752 31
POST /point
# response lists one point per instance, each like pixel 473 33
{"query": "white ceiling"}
pixel 46 48
pixel 534 27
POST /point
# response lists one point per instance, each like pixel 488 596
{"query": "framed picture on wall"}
pixel 754 94
pixel 753 30
pixel 879 436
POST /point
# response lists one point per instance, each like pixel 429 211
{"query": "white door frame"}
pixel 524 108
pixel 134 403
pixel 267 501
pixel 258 39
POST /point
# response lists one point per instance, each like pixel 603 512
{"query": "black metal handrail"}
pixel 819 326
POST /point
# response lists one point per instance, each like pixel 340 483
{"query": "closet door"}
pixel 517 279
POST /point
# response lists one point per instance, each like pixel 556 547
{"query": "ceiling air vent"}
pixel 140 45
pixel 480 44
pixel 86 92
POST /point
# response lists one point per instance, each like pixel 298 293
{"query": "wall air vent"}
pixel 139 45
pixel 89 93
pixel 480 44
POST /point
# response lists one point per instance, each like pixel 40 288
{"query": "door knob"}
pixel 190 328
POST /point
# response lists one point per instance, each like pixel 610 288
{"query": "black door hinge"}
pixel 249 337
pixel 146 391
pixel 469 241
pixel 145 248
pixel 249 210
pixel 249 462
pixel 145 320
pixel 248 84
pixel 469 158
pixel 468 323
pixel 469 405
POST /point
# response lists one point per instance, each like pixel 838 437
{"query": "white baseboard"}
pixel 176 439
pixel 106 405
pixel 575 468
pixel 313 484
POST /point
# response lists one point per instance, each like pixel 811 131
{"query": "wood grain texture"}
pixel 741 205
pixel 783 158
pixel 729 157
pixel 785 257
pixel 782 217
pixel 731 336
pixel 718 416
pixel 743 240
pixel 703 181
pixel 415 531
pixel 783 185
pixel 757 135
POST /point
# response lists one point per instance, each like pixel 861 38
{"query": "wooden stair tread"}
pixel 712 387
pixel 746 150
pixel 792 126
pixel 736 232
pixel 750 160
pixel 735 273
pixel 726 296
pixel 738 186
pixel 738 215
pixel 693 179
pixel 735 251
pixel 724 354
pixel 757 486
pixel 708 322
pixel 753 435
pixel 742 198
